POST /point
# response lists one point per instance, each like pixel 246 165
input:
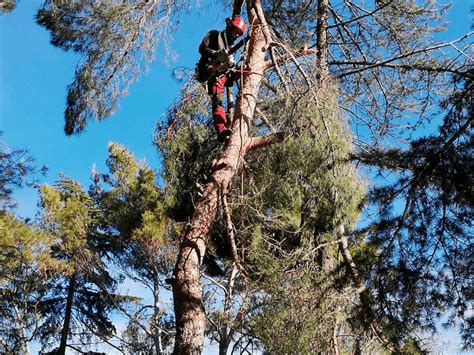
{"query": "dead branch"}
pixel 386 62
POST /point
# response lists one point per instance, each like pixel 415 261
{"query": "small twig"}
pixel 265 119
pixel 278 71
pixel 231 233
pixel 386 62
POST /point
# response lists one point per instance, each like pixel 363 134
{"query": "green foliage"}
pixel 141 244
pixel 187 153
pixel 16 169
pixel 25 267
pixel 288 204
pixel 131 191
pixel 294 196
pixel 306 181
pixel 115 40
pixel 425 246
pixel 133 212
pixel 23 244
pixel 297 315
pixel 7 5
pixel 70 217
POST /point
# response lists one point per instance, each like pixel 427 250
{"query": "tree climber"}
pixel 215 66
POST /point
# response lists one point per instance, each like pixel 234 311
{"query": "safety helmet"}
pixel 237 23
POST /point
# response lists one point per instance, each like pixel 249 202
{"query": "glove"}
pixel 220 54
pixel 231 77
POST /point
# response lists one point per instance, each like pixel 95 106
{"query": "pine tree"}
pixel 26 266
pixel 17 169
pixel 426 248
pixel 78 301
pixel 141 242
pixel 379 63
pixel 115 39
pixel 402 58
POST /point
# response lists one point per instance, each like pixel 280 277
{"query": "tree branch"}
pixel 420 67
pixel 264 141
pixel 386 62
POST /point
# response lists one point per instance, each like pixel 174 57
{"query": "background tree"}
pixel 79 301
pixel 391 75
pixel 26 266
pixel 426 247
pixel 115 39
pixel 17 168
pixel 141 242
pixel 25 263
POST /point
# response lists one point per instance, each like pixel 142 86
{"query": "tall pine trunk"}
pixel 187 290
pixel 67 315
pixel 322 37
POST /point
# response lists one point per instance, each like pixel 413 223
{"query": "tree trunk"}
pixel 23 339
pixel 322 40
pixel 156 328
pixel 67 315
pixel 187 291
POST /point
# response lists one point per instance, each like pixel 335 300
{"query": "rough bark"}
pixel 187 291
pixel 321 33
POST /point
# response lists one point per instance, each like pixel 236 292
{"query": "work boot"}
pixel 224 134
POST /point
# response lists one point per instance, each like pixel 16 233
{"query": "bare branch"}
pixel 404 55
pixel 258 142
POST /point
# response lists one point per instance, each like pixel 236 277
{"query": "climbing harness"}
pixel 221 64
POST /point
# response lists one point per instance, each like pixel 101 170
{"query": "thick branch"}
pixel 259 142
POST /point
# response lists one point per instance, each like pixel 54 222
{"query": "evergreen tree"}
pixel 390 76
pixel 141 243
pixel 115 38
pixel 16 169
pixel 397 57
pixel 425 248
pixel 26 266
pixel 78 301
